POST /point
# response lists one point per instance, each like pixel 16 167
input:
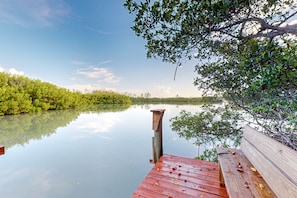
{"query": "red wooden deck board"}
pixel 2 150
pixel 181 177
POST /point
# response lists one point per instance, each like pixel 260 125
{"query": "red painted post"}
pixel 157 141
pixel 2 150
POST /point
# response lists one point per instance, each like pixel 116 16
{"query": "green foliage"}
pixel 212 124
pixel 248 51
pixel 19 94
pixel 261 80
pixel 176 29
pixel 209 155
pixel 216 126
pixel 106 98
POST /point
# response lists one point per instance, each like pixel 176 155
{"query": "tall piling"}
pixel 157 141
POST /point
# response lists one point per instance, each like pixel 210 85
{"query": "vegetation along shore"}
pixel 20 94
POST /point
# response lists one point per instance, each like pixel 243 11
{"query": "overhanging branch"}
pixel 266 30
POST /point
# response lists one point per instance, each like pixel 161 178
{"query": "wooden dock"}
pixel 181 177
pixel 262 168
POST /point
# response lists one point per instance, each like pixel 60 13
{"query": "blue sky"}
pixel 84 45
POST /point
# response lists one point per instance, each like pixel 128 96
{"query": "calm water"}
pixel 83 154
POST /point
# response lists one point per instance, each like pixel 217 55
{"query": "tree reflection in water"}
pixel 20 129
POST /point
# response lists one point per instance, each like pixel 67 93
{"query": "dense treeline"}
pixel 175 100
pixel 19 94
pixel 98 97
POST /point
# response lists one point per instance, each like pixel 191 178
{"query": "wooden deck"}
pixel 180 177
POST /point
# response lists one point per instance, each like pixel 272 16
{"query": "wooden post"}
pixel 157 139
pixel 2 150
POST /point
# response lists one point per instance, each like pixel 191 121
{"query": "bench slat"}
pixel 275 162
pixel 240 180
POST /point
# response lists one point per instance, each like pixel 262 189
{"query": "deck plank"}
pixel 175 176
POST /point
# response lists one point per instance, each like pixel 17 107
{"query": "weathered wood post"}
pixel 2 150
pixel 157 139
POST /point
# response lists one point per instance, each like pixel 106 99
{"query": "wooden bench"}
pixel 262 167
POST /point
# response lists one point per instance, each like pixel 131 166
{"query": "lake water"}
pixel 71 153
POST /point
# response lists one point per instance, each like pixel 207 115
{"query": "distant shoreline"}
pixel 175 100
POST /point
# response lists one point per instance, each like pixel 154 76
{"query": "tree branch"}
pixel 273 30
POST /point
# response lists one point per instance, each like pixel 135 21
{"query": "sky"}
pixel 84 46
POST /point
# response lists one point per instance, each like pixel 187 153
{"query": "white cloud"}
pixel 293 22
pixel 99 31
pixel 94 72
pixel 2 69
pixel 12 71
pixel 111 79
pixel 77 62
pixel 99 73
pixel 86 88
pixel 33 12
pixel 96 77
pixel 96 123
pixel 15 72
pixel 164 91
pixel 72 78
pixel 104 62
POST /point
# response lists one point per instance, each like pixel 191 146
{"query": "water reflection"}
pixel 87 153
pixel 20 129
pixel 97 123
